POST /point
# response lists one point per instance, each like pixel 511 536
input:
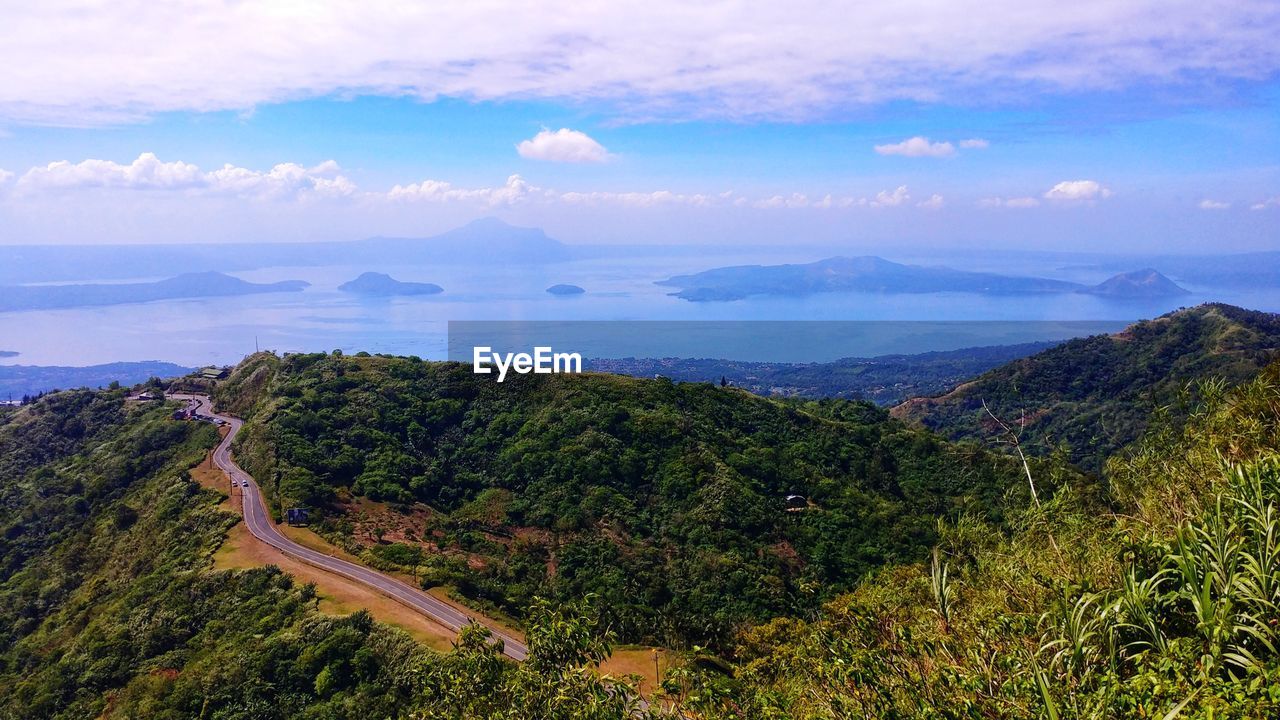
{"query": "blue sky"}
pixel 1101 126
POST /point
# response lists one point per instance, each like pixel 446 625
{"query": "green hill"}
pixel 614 507
pixel 1095 394
pixel 668 501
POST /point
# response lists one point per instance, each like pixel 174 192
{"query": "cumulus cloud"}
pixel 563 145
pixel 885 198
pixel 148 172
pixel 292 181
pixel 1268 203
pixel 917 147
pixel 282 181
pixel 1208 204
pixel 514 191
pixel 1077 191
pixel 644 57
pixel 517 190
pixel 1014 202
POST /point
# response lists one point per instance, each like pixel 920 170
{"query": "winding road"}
pixel 258 521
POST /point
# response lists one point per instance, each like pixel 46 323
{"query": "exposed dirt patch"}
pixel 633 660
pixel 377 522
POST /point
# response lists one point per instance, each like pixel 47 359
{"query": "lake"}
pixel 223 330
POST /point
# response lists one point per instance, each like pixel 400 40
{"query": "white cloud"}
pixel 282 181
pixel 563 145
pixel 1077 191
pixel 5 176
pixel 1208 204
pixel 975 144
pixel 933 203
pixel 148 172
pixel 99 61
pixel 890 199
pixel 514 191
pixel 918 147
pixel 794 200
pixel 1014 202
pixel 1269 202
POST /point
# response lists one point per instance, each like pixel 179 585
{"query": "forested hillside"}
pixel 110 607
pixel 669 501
pixel 1154 595
pixel 1164 607
pixel 1094 395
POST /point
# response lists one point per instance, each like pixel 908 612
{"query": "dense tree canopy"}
pixel 667 500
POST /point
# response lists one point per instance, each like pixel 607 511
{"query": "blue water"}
pixel 223 330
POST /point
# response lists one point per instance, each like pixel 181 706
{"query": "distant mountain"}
pixel 1095 394
pixel 19 380
pixel 874 274
pixel 1137 284
pixel 487 240
pixel 8 353
pixel 381 284
pixel 1250 270
pixel 884 380
pixel 484 240
pixel 190 285
pixel 563 289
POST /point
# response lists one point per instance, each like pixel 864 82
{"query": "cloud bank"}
pixel 148 172
pixel 102 61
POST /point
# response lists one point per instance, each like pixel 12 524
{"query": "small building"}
pixel 182 414
pixel 797 502
pixel 213 373
pixel 297 515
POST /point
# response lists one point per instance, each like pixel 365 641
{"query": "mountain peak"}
pixel 1144 283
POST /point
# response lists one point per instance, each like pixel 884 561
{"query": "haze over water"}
pixel 223 330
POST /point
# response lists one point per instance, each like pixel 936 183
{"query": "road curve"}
pixel 258 520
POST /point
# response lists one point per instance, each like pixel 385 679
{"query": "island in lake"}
pixel 565 289
pixel 189 285
pixel 375 284
pixel 8 353
pixel 874 274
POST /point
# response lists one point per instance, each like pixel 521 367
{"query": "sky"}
pixel 1099 125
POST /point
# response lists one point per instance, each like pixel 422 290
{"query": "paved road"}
pixel 258 520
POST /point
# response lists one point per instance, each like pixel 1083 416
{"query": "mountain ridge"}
pixel 870 273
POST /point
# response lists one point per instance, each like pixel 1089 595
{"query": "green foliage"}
pixel 1167 607
pixel 559 680
pixel 668 501
pixel 109 607
pixel 1094 395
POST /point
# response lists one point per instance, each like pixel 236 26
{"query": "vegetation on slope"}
pixel 1093 395
pixel 1165 607
pixel 668 501
pixel 109 606
pixel 884 380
